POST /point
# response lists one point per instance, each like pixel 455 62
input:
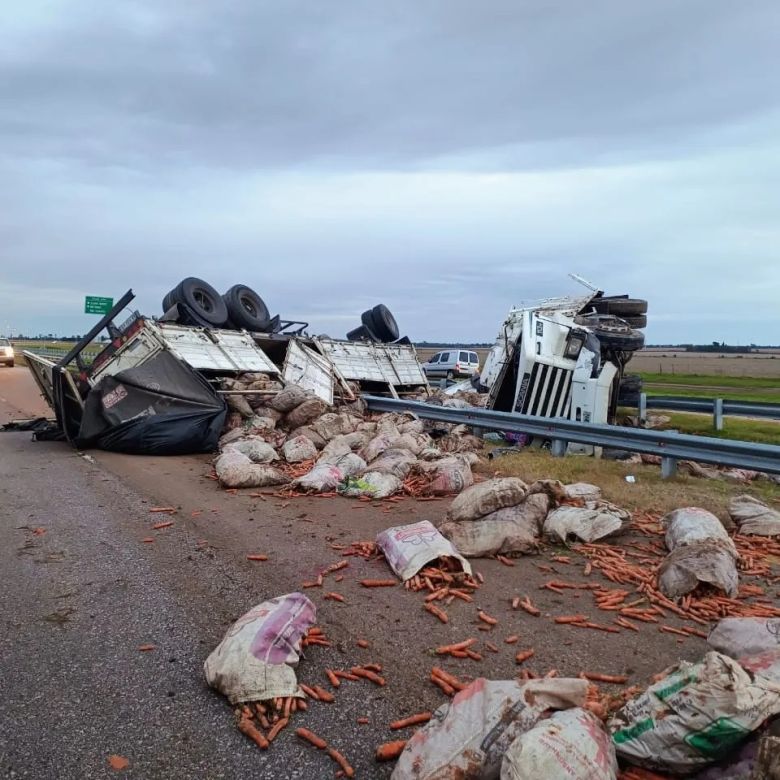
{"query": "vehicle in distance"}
pixel 452 364
pixel 6 353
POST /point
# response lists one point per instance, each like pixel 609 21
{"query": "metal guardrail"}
pixel 714 406
pixel 670 446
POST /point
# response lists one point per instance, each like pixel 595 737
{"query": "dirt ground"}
pixel 297 536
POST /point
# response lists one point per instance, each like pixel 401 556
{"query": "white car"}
pixel 6 353
pixel 452 364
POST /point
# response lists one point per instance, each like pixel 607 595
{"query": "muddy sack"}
pixel 467 738
pixel 409 548
pixel 509 531
pixel 286 400
pixel 596 520
pixel 374 484
pixel 698 714
pixel 451 475
pixel 395 461
pixel 569 745
pixel 486 497
pixel 236 470
pixel 737 637
pixel 306 412
pixel 752 516
pixel 299 449
pixel 701 551
pixel 255 448
pixel 256 658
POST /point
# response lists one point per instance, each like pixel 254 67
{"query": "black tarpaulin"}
pixel 161 407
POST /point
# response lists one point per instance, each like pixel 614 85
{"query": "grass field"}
pixel 761 365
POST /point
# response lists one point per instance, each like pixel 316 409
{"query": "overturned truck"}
pixel 160 386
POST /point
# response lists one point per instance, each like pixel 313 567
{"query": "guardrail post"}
pixel 642 407
pixel 668 467
pixel 717 416
pixel 558 448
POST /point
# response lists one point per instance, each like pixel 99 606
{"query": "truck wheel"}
pixel 363 333
pixel 382 322
pixel 620 307
pixel 168 301
pixel 203 299
pixel 639 321
pixel 612 332
pixel 246 309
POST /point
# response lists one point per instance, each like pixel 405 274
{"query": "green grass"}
pixel 763 431
pixel 740 382
pixel 730 395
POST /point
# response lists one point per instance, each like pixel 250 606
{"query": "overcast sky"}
pixel 448 158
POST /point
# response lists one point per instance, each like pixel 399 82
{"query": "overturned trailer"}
pixel 157 385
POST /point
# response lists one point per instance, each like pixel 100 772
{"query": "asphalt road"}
pixel 83 592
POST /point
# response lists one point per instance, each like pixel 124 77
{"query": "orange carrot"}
pixel 310 692
pixel 490 646
pixel 245 726
pixel 378 583
pixel 529 607
pixel 169 509
pixel 362 643
pixel 334 681
pixel 571 619
pixel 257 557
pixel 148 540
pixel 524 656
pixel 372 667
pixel 375 678
pixel 617 679
pixel 445 649
pixel 363 721
pixel 670 630
pixel 438 612
pixel 276 728
pixel 510 640
pixel 515 602
pixel 346 675
pixel 412 720
pixel 474 656
pixel 158 526
pixel 445 686
pixel 312 738
pixel 324 695
pixel 341 761
pixel 390 750
pixel 503 559
pixel 485 618
pixel 334 597
pixel 146 648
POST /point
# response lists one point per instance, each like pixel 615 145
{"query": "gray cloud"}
pixel 448 158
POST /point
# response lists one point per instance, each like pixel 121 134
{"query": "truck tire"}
pixel 363 333
pixel 639 321
pixel 203 299
pixel 168 301
pixel 620 307
pixel 612 332
pixel 246 309
pixel 381 322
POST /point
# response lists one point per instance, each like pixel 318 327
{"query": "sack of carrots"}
pixel 699 713
pixel 256 658
pixel 469 736
pixel 408 548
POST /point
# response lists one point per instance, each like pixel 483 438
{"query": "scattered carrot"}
pixel 346 675
pixel 670 630
pixel 438 612
pixel 148 540
pixel 510 640
pixel 118 763
pixel 445 649
pixel 146 648
pixel 363 721
pixel 341 761
pixel 334 681
pixel 362 643
pixel 369 675
pixel 490 646
pixel 168 509
pixel 515 602
pixel 323 695
pixel 571 619
pixel 617 679
pixel 310 692
pixel 485 618
pixel 312 738
pixel 503 559
pixel 257 557
pixel 245 726
pixel 276 728
pixel 412 720
pixel 524 656
pixel 378 583
pixel 158 526
pixel 334 597
pixel 474 656
pixel 445 686
pixel 390 750
pixel 529 607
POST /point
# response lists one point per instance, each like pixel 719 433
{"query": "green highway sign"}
pixel 94 304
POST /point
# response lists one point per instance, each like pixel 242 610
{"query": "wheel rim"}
pixel 203 299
